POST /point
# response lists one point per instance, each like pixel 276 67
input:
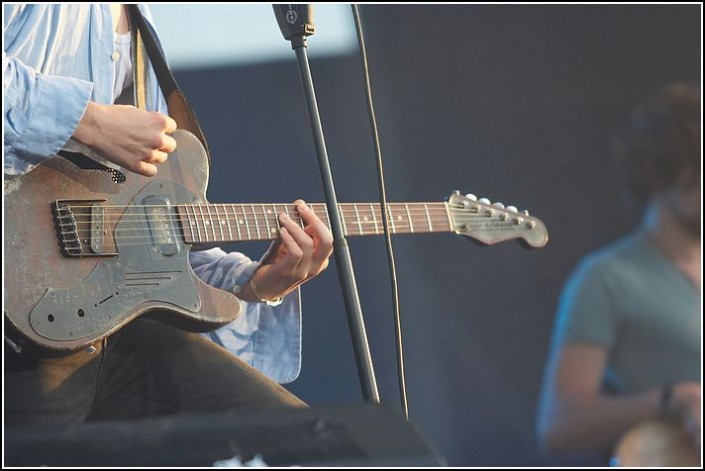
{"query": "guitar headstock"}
pixel 490 223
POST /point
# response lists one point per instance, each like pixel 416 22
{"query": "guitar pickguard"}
pixel 152 266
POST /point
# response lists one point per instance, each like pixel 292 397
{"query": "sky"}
pixel 206 35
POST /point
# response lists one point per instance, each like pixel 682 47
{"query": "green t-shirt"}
pixel 628 298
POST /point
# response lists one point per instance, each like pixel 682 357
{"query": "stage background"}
pixel 517 103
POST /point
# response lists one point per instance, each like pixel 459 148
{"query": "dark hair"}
pixel 661 148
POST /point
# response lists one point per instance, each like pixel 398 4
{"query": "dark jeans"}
pixel 147 368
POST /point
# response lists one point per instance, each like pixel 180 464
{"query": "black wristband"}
pixel 665 404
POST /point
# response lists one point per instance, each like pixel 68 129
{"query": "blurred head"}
pixel 660 155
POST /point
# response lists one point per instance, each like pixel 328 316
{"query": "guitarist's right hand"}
pixel 135 139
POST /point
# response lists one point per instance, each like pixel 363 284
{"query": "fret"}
pixel 408 214
pixel 227 221
pixel 374 218
pixel 180 223
pixel 428 217
pixel 247 223
pixel 357 216
pixel 266 220
pixel 286 210
pixel 316 208
pixel 237 222
pixel 325 213
pixel 254 217
pixel 203 222
pixel 220 223
pixel 365 219
pixel 301 221
pixel 342 220
pixel 201 238
pixel 225 224
pixel 184 223
pixel 390 217
pixel 275 215
pixel 260 226
pixel 190 222
pixel 446 206
pixel 200 210
pixel 209 222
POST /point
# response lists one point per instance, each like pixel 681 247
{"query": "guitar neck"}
pixel 206 223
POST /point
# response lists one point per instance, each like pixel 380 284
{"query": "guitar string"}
pixel 364 217
pixel 88 219
pixel 227 221
pixel 148 241
pixel 228 224
pixel 175 216
pixel 267 207
pixel 199 213
pixel 208 235
pixel 217 232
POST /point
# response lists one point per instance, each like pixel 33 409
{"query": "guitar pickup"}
pixel 160 219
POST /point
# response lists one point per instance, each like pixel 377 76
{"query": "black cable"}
pixel 385 220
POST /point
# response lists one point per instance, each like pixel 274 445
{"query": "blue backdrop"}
pixel 514 102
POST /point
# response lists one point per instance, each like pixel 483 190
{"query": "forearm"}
pixel 595 424
pixel 40 113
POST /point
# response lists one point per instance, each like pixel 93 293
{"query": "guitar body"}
pixel 85 255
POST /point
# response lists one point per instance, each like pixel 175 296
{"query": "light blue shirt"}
pixel 56 59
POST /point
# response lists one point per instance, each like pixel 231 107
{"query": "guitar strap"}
pixel 146 46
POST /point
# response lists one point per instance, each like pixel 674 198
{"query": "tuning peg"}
pixel 499 205
pixel 485 201
pixel 512 209
pixel 470 196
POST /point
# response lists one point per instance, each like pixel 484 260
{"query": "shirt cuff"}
pixel 59 108
pixel 244 276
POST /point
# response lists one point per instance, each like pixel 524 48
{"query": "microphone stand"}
pixel 296 22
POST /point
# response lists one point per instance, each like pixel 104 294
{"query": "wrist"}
pixel 260 298
pixel 85 131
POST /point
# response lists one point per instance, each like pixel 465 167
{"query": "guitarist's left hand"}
pixel 298 255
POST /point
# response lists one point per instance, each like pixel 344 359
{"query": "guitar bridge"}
pixel 80 226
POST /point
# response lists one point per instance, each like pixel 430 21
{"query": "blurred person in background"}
pixel 626 345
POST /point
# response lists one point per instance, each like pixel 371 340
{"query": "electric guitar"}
pixel 86 252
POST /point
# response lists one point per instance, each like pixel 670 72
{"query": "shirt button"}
pixel 115 56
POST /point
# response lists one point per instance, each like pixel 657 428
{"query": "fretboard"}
pixel 204 223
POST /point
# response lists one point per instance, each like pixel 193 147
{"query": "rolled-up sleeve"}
pixel 266 337
pixel 41 113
